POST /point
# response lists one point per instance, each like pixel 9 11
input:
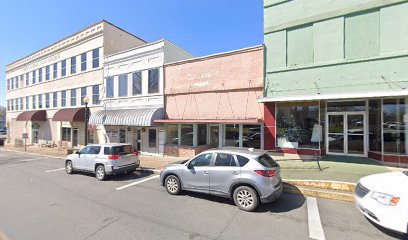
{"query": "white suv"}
pixel 104 159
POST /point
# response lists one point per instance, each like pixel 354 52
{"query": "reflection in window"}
pixel 66 134
pixel 202 160
pixel 186 135
pixel 109 87
pixel 123 85
pixel 251 136
pixel 231 135
pixel 298 124
pixel 172 134
pixel 136 83
pixel 122 135
pixel 394 125
pixel 153 81
pixel 374 128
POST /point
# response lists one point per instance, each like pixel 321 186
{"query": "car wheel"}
pixel 246 198
pixel 100 173
pixel 68 167
pixel 172 184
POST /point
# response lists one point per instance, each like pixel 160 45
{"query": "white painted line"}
pixel 55 170
pixel 29 160
pixel 138 182
pixel 313 216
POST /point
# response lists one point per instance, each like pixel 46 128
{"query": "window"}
pixel 34 102
pixel 94 150
pixel 295 123
pixel 40 101
pixel 12 83
pixel 267 161
pixel 251 136
pixel 73 65
pixel 47 100
pixel 40 75
pixel 231 135
pixel 34 77
pixel 55 71
pixel 348 106
pixel 202 134
pixel 172 134
pixel 394 126
pixel 300 46
pixel 120 150
pixel 55 99
pixel 47 73
pixel 17 81
pixel 27 79
pixel 152 138
pixel 73 97
pixel 123 83
pixel 153 80
pixel 66 134
pixel 83 62
pixel 95 94
pixel 122 135
pixel 63 98
pixel 63 68
pixel 83 94
pixel 186 135
pixel 27 106
pixel 242 161
pixel 109 87
pixel 85 150
pixel 95 58
pixel 8 84
pixel 225 160
pixel 136 83
pixel 201 160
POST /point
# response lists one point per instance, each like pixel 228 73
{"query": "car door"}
pixel 91 157
pixel 196 175
pixel 81 159
pixel 223 174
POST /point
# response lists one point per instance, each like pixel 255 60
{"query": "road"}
pixel 39 200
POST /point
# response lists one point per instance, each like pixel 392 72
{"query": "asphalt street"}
pixel 38 200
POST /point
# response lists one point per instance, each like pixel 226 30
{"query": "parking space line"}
pixel 313 216
pixel 55 170
pixel 137 182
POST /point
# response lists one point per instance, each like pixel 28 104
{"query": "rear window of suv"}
pixel 119 150
pixel 267 161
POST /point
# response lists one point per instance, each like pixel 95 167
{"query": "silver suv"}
pixel 103 160
pixel 246 176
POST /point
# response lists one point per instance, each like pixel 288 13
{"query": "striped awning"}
pixel 127 117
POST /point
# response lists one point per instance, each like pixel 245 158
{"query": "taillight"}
pixel 136 153
pixel 266 173
pixel 113 157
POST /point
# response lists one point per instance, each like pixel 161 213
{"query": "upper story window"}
pixel 95 94
pixel 17 80
pixel 40 75
pixel 12 84
pixel 33 101
pixel 73 65
pixel 34 80
pixel 40 101
pixel 63 68
pixel 123 86
pixel 55 99
pixel 83 62
pixel 136 83
pixel 109 87
pixel 27 79
pixel 83 94
pixel 8 84
pixel 55 71
pixel 63 98
pixel 47 100
pixel 153 81
pixel 95 58
pixel 47 73
pixel 27 106
pixel 21 103
pixel 73 97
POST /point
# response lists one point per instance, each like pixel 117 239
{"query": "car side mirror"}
pixel 190 166
pixel 78 152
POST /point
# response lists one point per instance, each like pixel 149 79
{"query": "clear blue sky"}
pixel 201 27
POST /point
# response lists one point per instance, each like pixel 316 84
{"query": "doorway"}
pixel 75 136
pixel 346 133
pixel 214 136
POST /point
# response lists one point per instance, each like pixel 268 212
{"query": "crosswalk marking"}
pixel 315 225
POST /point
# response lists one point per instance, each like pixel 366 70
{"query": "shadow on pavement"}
pixel 388 232
pixel 122 177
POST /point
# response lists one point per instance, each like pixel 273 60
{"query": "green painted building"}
pixel 336 77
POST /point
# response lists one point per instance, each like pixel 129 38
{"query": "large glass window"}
pixel 40 75
pixel 66 134
pixel 153 80
pixel 55 71
pixel 63 68
pixel 394 129
pixel 55 99
pixel 123 85
pixel 231 137
pixel 73 97
pixel 83 94
pixel 47 73
pixel 186 135
pixel 27 79
pixel 122 135
pixel 298 125
pixel 63 98
pixel 152 138
pixel 95 58
pixel 136 83
pixel 73 65
pixel 172 134
pixel 109 87
pixel 202 134
pixel 374 129
pixel 34 78
pixel 83 62
pixel 251 136
pixel 47 100
pixel 21 103
pixel 27 103
pixel 40 101
pixel 34 102
pixel 95 94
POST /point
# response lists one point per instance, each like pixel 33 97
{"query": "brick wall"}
pixel 184 151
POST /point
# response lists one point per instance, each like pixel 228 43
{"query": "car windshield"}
pixel 122 150
pixel 267 161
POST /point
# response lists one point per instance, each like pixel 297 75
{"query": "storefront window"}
pixel 374 127
pixel 172 134
pixel 66 134
pixel 122 135
pixel 251 136
pixel 202 134
pixel 231 135
pixel 186 135
pixel 298 125
pixel 394 111
pixel 152 138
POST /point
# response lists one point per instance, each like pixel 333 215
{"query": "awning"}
pixel 39 115
pixel 127 117
pixel 70 115
pixel 228 121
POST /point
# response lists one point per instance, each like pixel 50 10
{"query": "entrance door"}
pixel 346 134
pixel 137 139
pixel 75 137
pixel 214 136
pixel 35 136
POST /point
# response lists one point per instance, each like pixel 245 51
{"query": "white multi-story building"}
pixel 46 90
pixel 134 83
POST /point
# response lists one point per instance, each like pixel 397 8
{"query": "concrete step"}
pixel 319 192
pixel 329 185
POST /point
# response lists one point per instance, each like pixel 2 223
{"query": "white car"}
pixel 383 198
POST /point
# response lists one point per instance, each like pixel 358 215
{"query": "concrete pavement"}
pixel 40 201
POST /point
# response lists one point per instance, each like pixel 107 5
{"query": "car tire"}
pixel 68 167
pixel 100 173
pixel 172 185
pixel 246 198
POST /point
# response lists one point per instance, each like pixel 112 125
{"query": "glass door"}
pixel 355 134
pixel 214 136
pixel 75 136
pixel 335 137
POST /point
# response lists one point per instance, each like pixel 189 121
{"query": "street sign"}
pixel 25 135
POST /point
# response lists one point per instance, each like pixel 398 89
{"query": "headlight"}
pixel 385 199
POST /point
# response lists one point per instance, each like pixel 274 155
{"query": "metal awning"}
pixel 70 115
pixel 230 121
pixel 39 115
pixel 127 117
